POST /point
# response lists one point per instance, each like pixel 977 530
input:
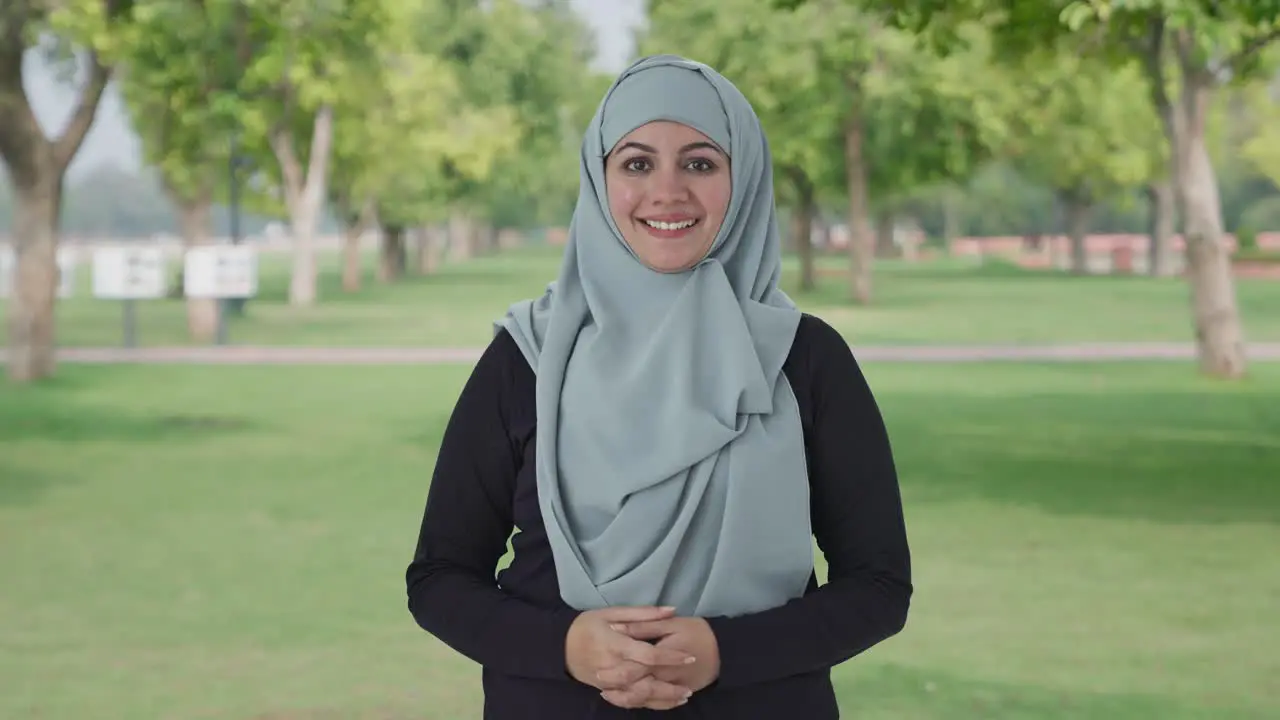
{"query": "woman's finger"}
pixel 648 692
pixel 642 652
pixel 650 630
pixel 621 675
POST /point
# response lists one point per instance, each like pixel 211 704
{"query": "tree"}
pixel 394 133
pixel 37 164
pixel 528 60
pixel 180 81
pixel 1084 129
pixel 1261 146
pixel 1189 49
pixel 539 59
pixel 867 88
pixel 305 57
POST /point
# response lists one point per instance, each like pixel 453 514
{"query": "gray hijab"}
pixel 671 464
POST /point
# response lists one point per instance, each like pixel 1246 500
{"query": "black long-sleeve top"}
pixel 773 664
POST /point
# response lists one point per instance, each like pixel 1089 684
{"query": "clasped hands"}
pixel 610 649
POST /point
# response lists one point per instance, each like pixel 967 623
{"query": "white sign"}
pixel 128 273
pixel 220 271
pixel 66 271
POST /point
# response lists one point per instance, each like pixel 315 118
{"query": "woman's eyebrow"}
pixel 700 145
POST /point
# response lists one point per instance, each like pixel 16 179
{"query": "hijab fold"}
pixel 670 456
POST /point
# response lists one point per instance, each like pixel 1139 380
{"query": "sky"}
pixel 112 142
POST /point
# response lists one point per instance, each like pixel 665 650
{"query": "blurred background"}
pixel 1049 229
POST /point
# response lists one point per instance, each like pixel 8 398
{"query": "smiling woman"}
pixel 670 434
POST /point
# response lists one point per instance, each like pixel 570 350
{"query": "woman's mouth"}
pixel 668 229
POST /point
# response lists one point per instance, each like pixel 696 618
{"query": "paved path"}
pixel 247 355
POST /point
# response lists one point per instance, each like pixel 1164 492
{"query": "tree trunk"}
pixel 460 235
pixel 304 194
pixel 802 236
pixel 1160 196
pixel 1076 209
pixel 357 224
pixel 1219 334
pixel 951 200
pixel 1218 330
pixel 431 243
pixel 33 292
pixel 194 216
pixel 1163 194
pixel 1216 316
pixel 861 238
pixel 391 257
pixel 36 167
pixel 885 247
pixel 486 238
pixel 351 266
pixel 802 225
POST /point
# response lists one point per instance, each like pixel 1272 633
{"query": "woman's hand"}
pixel 690 635
pixel 598 654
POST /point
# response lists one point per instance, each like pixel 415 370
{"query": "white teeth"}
pixel 670 226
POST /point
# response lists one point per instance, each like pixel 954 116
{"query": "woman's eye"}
pixel 700 165
pixel 635 165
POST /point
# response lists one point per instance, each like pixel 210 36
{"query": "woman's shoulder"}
pixel 502 364
pixel 819 345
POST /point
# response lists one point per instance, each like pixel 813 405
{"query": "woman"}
pixel 669 434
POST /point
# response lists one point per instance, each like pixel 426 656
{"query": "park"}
pixel 219 431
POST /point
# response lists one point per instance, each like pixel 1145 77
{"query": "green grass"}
pixel 948 301
pixel 1090 541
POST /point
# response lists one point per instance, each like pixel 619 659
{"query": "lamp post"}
pixel 238 30
pixel 236 305
pixel 229 306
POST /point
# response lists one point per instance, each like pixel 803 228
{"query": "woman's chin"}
pixel 669 256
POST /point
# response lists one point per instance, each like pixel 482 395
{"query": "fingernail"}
pixel 690 660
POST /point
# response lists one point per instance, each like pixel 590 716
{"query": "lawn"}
pixel 1090 541
pixel 948 301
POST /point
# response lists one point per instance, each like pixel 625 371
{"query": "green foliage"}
pixel 536 59
pixel 1261 216
pixel 180 86
pixel 401 125
pixel 927 119
pixel 525 68
pixel 1262 148
pixel 104 26
pixel 1083 126
pixel 1223 36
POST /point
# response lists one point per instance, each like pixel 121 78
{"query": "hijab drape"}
pixel 671 465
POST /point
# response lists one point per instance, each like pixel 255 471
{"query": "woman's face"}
pixel 669 189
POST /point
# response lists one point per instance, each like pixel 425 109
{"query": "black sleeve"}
pixel 451 583
pixel 858 523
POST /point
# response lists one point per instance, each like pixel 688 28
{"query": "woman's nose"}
pixel 669 186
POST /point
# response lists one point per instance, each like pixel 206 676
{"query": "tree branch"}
pixel 290 169
pixel 20 133
pixel 1153 59
pixel 1251 48
pixel 318 157
pixel 66 146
